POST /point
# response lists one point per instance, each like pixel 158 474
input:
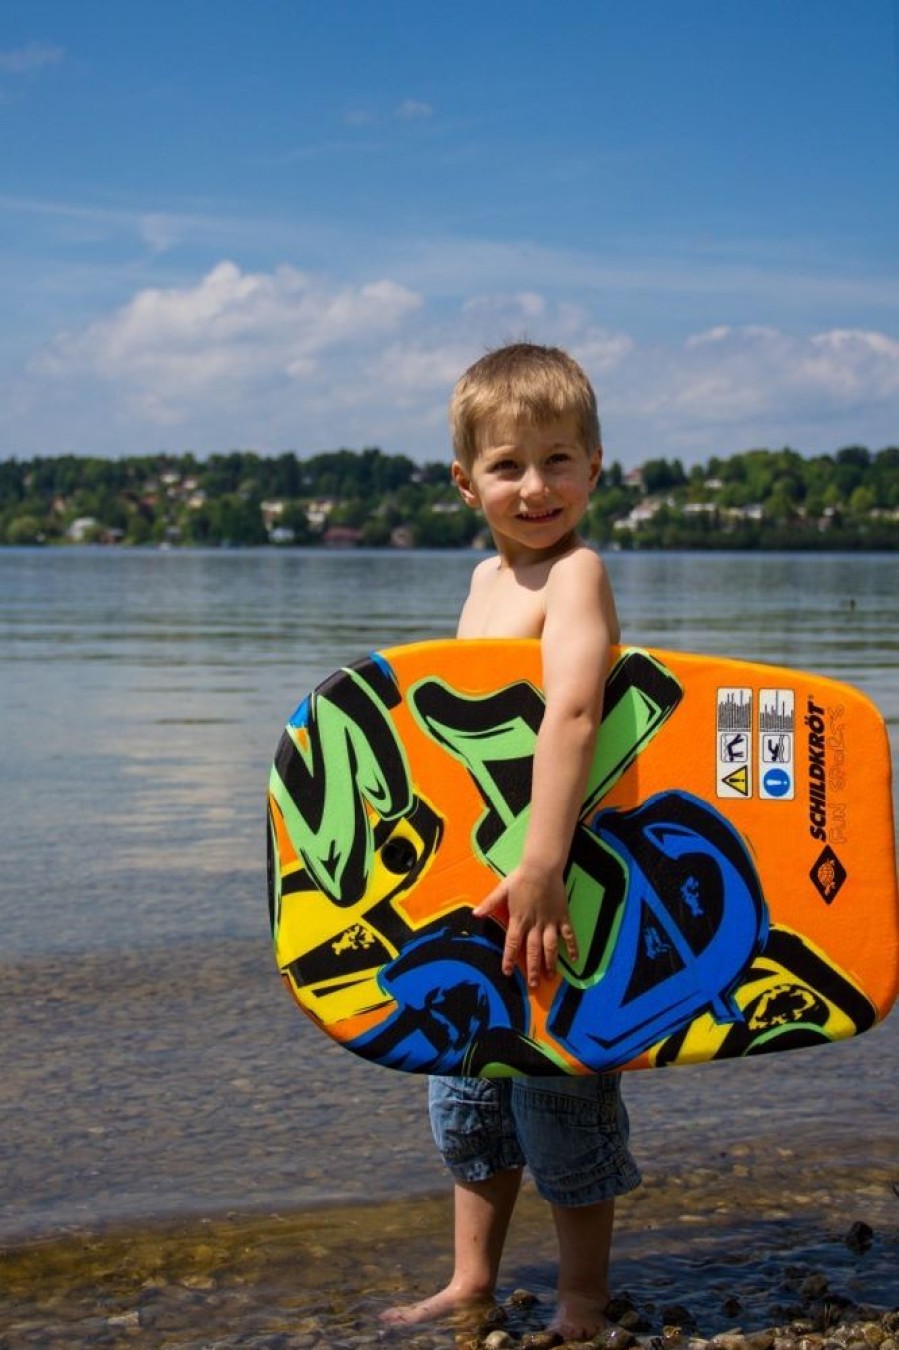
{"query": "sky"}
pixel 291 224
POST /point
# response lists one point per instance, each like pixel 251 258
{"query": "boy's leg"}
pixel 482 1213
pixel 574 1135
pixel 585 1240
pixel 474 1130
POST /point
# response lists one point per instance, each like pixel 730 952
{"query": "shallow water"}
pixel 158 1086
pixel 727 1255
pixel 185 1082
pixel 171 1125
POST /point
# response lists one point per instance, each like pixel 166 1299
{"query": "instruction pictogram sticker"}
pixel 777 733
pixel 734 743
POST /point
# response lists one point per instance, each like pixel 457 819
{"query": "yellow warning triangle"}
pixel 738 780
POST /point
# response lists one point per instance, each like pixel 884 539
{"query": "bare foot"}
pixel 449 1300
pixel 578 1317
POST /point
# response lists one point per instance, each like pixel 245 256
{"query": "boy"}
pixel 527 454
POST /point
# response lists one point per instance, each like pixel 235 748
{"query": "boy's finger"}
pixel 534 957
pixel 550 949
pixel 570 940
pixel 510 950
pixel 490 902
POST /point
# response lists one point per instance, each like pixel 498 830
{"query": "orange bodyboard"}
pixel 732 880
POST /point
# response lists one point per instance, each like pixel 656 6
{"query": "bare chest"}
pixel 503 608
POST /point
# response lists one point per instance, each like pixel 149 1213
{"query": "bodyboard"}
pixel 731 881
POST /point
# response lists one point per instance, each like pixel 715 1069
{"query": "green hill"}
pixel 774 499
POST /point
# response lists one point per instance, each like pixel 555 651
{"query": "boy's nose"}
pixel 533 484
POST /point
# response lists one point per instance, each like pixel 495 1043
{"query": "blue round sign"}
pixel 776 782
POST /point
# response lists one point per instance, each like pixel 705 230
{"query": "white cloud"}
pixel 855 365
pixel 505 316
pixel 601 353
pixel 413 110
pixel 414 371
pixel 34 56
pixel 289 357
pixel 729 388
pixel 227 337
pixel 727 374
pixel 159 232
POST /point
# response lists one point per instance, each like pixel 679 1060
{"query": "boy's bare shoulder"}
pixel 578 587
pixel 581 561
pixel 481 576
pixel 484 568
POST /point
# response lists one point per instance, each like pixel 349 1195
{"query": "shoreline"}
pixel 749 1261
pixel 744 1182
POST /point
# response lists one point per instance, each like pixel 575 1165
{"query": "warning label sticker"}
pixel 777 743
pixel 734 743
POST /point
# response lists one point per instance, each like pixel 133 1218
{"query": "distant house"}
pixel 318 510
pixel 641 514
pixel 341 536
pixel 81 527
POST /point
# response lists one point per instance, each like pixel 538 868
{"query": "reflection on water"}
pixel 151 1064
pixel 144 693
pixel 831 613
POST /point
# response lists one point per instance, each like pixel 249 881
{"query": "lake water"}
pixel 152 1067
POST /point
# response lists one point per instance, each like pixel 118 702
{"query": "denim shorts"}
pixel 571 1132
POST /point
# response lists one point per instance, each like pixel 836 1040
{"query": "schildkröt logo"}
pixel 828 875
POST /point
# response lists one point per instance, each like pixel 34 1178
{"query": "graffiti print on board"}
pixel 393 808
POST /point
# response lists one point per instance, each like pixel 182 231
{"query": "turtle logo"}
pixel 828 875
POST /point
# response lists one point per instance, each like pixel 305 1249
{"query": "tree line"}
pixel 755 499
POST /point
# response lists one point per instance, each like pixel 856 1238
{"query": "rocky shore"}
pixel 320 1281
pixel 188 1315
pixel 815 1319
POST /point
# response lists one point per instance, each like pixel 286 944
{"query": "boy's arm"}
pixel 579 629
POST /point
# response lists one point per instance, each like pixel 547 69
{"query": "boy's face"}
pixel 531 483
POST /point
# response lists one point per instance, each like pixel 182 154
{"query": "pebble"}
pixel 522 1298
pixel 122 1320
pixel 676 1317
pixel 616 1338
pixel 859 1237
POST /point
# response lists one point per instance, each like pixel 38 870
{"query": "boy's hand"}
pixel 538 920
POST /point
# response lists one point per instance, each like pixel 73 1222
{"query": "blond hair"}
pixel 523 383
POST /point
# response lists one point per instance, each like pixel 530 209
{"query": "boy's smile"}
pixel 531 483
